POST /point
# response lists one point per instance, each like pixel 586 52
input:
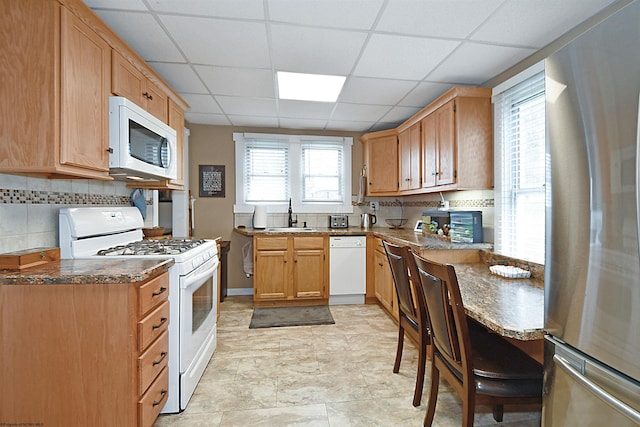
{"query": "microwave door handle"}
pixel 164 146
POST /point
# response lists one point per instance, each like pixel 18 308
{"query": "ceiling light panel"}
pixel 309 87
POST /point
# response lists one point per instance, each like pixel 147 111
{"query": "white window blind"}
pixel 520 170
pixel 266 171
pixel 313 171
pixel 322 172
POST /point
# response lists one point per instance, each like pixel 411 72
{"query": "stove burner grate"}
pixel 153 247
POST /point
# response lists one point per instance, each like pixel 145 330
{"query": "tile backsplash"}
pixel 29 207
pixel 409 207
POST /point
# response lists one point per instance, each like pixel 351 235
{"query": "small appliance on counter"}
pixel 460 226
pixel 338 221
pixel 260 217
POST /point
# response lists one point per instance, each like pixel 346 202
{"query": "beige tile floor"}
pixel 331 375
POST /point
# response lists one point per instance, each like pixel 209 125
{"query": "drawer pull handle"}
pixel 161 291
pixel 164 394
pixel 162 322
pixel 162 356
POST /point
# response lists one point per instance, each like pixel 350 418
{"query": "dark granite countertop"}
pixel 87 272
pixel 513 308
pixel 403 236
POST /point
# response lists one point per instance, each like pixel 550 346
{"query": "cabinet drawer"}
pixel 151 403
pixel 271 243
pixel 152 326
pixel 308 242
pixel 152 293
pixel 152 361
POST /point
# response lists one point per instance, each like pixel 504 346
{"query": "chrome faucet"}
pixel 291 221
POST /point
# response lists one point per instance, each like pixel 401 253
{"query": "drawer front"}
pixel 153 293
pixel 152 326
pixel 151 403
pixel 271 243
pixel 308 242
pixel 152 361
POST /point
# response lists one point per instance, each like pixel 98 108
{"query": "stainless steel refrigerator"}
pixel 592 280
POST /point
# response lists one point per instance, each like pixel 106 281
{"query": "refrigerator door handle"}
pixel 619 406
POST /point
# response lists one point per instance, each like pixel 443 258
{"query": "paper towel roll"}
pixel 260 216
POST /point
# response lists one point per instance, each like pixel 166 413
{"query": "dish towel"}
pixel 361 187
pixel 138 200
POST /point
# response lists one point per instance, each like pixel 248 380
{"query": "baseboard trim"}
pixel 239 291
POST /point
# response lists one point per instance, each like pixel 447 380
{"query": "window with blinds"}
pixel 314 172
pixel 266 171
pixel 520 170
pixel 322 173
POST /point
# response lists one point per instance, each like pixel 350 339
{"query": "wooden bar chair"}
pixel 480 366
pixel 412 315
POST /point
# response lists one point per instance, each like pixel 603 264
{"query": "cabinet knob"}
pixel 110 150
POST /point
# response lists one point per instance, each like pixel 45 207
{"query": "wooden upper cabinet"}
pixel 457 144
pixel 54 111
pixel 129 82
pixel 381 161
pixel 85 73
pixel 409 143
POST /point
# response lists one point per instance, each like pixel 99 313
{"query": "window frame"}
pixel 295 174
pixel 505 195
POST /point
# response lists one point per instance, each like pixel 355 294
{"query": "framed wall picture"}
pixel 212 180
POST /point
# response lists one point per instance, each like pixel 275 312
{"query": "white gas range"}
pixel 93 232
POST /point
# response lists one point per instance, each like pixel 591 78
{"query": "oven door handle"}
pixel 195 277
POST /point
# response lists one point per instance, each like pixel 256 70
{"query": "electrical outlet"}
pixel 374 205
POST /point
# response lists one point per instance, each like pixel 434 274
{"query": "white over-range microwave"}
pixel 140 145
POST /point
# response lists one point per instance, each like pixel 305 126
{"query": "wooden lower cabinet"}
pixel 291 270
pixel 84 354
pixel 383 281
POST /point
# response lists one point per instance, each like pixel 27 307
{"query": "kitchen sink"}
pixel 289 229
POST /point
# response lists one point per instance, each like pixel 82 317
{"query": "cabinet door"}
pixel 127 81
pixel 446 144
pixel 429 151
pixel 85 87
pixel 309 273
pixel 157 101
pixel 270 275
pixel 409 155
pixel 384 287
pixel 382 167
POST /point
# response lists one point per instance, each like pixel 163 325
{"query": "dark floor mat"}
pixel 270 317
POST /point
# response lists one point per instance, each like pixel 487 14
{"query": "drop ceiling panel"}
pixel 474 63
pixel 397 55
pixel 154 46
pixel 247 106
pixel 424 94
pixel 375 91
pixel 220 42
pixel 313 50
pixel 401 57
pixel 304 109
pixel 440 19
pixel 357 14
pixel 201 103
pixel 359 112
pixel 207 119
pixel 245 9
pixel 237 81
pixel 117 4
pixel 535 23
pixel 181 77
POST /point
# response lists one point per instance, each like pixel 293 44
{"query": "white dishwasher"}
pixel 347 269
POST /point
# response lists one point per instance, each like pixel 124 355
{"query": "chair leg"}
pixel 433 396
pixel 396 366
pixel 498 412
pixel 468 409
pixel 422 360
